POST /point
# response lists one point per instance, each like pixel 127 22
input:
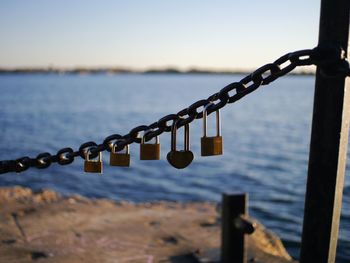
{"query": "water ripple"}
pixel 266 142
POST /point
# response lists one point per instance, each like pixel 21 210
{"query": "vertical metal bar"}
pixel 328 146
pixel 233 240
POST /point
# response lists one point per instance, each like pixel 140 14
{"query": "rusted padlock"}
pixel 211 145
pixel 149 151
pixel 93 166
pixel 120 158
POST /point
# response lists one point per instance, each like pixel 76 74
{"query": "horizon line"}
pixel 121 70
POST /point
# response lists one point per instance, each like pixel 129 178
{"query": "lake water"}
pixel 266 142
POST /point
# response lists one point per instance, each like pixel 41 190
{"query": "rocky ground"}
pixel 46 227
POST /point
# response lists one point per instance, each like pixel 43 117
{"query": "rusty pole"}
pixel 329 139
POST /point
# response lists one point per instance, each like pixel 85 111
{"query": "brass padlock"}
pixel 211 145
pixel 93 166
pixel 183 158
pixel 149 151
pixel 120 158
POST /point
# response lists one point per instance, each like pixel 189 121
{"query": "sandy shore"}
pixel 46 227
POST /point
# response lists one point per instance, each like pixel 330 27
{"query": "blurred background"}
pixel 62 84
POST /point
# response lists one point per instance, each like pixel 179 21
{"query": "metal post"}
pixel 328 146
pixel 234 227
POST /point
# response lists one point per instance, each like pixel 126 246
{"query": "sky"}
pixel 234 34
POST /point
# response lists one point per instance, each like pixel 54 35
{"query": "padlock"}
pixel 120 158
pixel 183 158
pixel 93 166
pixel 149 151
pixel 211 145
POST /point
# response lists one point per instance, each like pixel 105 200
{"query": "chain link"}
pixel 331 60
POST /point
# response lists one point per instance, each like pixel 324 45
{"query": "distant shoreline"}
pixel 114 71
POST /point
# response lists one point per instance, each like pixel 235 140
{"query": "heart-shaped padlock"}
pixel 180 159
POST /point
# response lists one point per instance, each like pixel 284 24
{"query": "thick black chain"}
pixel 331 60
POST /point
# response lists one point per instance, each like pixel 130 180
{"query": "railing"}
pixel 330 59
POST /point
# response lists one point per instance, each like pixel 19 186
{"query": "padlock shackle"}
pixel 205 116
pixel 126 147
pixel 143 139
pixel 173 135
pixel 87 156
pixel 186 136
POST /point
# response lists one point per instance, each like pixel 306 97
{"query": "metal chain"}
pixel 331 60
